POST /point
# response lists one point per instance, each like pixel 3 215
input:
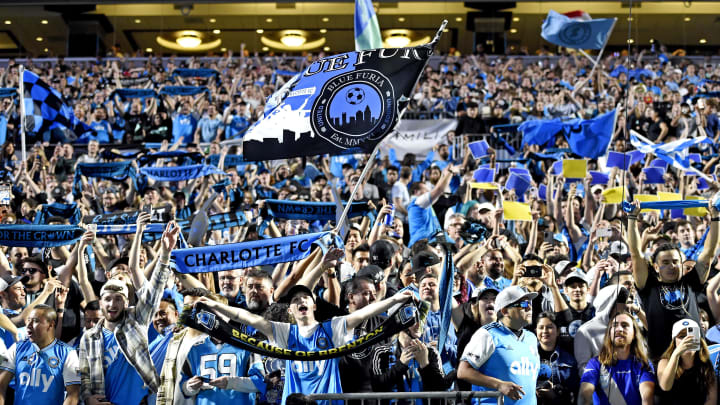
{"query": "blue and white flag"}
pixel 674 153
pixel 48 108
pixel 367 29
pixel 246 254
pixel 343 103
pixel 178 173
pixel 572 33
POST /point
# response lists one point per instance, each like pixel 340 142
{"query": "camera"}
pixel 533 271
pixel 474 231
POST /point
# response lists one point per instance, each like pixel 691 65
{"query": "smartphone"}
pixel 147 208
pixel 604 232
pixel 548 237
pixel 205 379
pixel 93 228
pixel 695 333
pixel 533 271
pixel 5 195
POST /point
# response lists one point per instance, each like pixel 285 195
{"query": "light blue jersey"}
pixel 496 351
pixel 184 127
pixel 123 384
pixel 318 376
pixel 206 359
pixel 41 375
pixel 423 221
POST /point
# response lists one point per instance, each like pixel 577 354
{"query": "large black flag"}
pixel 340 104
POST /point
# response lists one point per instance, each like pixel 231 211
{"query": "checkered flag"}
pixel 49 107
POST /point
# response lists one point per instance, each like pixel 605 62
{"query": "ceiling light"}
pixel 397 40
pixel 516 19
pixel 45 50
pixel 446 30
pixel 323 30
pixel 687 19
pixel 703 41
pixel 293 39
pixel 213 21
pixel 44 22
pixel 630 41
pixel 326 49
pixel 216 32
pixel 458 19
pixel 401 19
pixel 325 19
pixel 268 20
pixel 8 22
pixel 259 30
pixel 265 48
pixel 223 49
pixel 630 18
pixel 39 39
pixel 652 41
pixel 148 50
pixel 137 21
pixel 189 39
pixel 513 30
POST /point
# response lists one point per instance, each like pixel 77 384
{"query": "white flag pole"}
pixel 21 88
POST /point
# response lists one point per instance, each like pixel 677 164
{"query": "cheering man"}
pixel 115 363
pixel 43 367
pixel 318 376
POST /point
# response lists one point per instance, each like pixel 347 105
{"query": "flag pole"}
pixel 21 87
pixel 596 61
pixel 366 169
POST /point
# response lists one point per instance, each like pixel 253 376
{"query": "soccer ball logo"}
pixel 355 96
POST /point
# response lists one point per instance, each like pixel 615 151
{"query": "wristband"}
pixel 715 219
pixel 634 217
pixel 60 311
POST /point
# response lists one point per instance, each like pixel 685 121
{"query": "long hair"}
pixel 637 346
pixel 700 360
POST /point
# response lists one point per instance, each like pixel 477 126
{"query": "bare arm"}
pixel 73 394
pixel 639 265
pixel 710 246
pixel 137 274
pixel 647 392
pixel 585 397
pixel 5 377
pixel 712 295
pixel 376 308
pixel 241 315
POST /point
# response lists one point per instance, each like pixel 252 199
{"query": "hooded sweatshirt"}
pixel 589 337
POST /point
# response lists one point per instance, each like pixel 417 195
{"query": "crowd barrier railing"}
pixel 448 397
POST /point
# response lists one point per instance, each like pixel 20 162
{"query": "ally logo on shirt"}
pixel 524 367
pixel 36 379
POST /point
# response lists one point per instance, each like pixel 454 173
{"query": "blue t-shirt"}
pixel 237 127
pixel 627 376
pixel 209 127
pixel 40 376
pixel 432 334
pixel 423 222
pixel 184 127
pixel 123 384
pixel 102 131
pixel 209 360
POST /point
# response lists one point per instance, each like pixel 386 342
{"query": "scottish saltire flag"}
pixel 340 104
pixel 572 33
pixel 367 29
pixel 674 153
pixel 48 107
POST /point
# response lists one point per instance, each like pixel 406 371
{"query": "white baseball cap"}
pixel 683 324
pixel 511 295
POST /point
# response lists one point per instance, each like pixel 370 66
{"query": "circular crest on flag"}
pixel 354 107
pixel 575 33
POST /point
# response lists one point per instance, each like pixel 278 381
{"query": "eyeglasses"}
pixel 525 304
pixel 30 270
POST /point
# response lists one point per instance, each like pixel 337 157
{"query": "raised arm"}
pixel 376 308
pixel 639 265
pixel 240 315
pixel 710 246
pixel 137 274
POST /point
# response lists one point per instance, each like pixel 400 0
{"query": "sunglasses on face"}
pixel 521 304
pixel 29 270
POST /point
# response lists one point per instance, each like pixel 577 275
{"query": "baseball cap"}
pixel 562 266
pixel 619 250
pixel 683 324
pixel 576 275
pixel 381 253
pixel 114 286
pixel 511 295
pixel 486 206
pixel 424 259
pixel 8 280
pixel 480 291
pixel 373 272
pixel 294 290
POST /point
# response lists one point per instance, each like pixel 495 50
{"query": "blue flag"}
pixel 590 138
pixel 49 106
pixel 446 291
pixel 570 33
pixel 343 103
pixel 367 29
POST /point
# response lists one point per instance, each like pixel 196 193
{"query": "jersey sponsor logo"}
pixel 36 379
pixel 524 367
pixel 317 366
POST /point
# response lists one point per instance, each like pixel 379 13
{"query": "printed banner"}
pixel 160 214
pixel 311 211
pixel 39 236
pixel 245 254
pixel 418 136
pixel 230 160
pixel 178 173
pixel 202 318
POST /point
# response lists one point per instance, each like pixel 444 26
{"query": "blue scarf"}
pixel 218 222
pixel 6 92
pixel 185 72
pixel 69 211
pixel 246 254
pixel 134 93
pixel 446 292
pixel 195 157
pixel 114 171
pixel 311 211
pixel 178 173
pixel 128 229
pixel 39 236
pixel 184 90
pixel 230 160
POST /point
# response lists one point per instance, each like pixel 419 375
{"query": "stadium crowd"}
pixel 583 304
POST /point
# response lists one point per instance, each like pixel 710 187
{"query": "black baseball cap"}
pixel 373 272
pixel 8 280
pixel 381 253
pixel 424 259
pixel 294 290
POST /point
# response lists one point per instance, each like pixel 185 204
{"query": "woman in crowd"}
pixel 685 374
pixel 558 379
